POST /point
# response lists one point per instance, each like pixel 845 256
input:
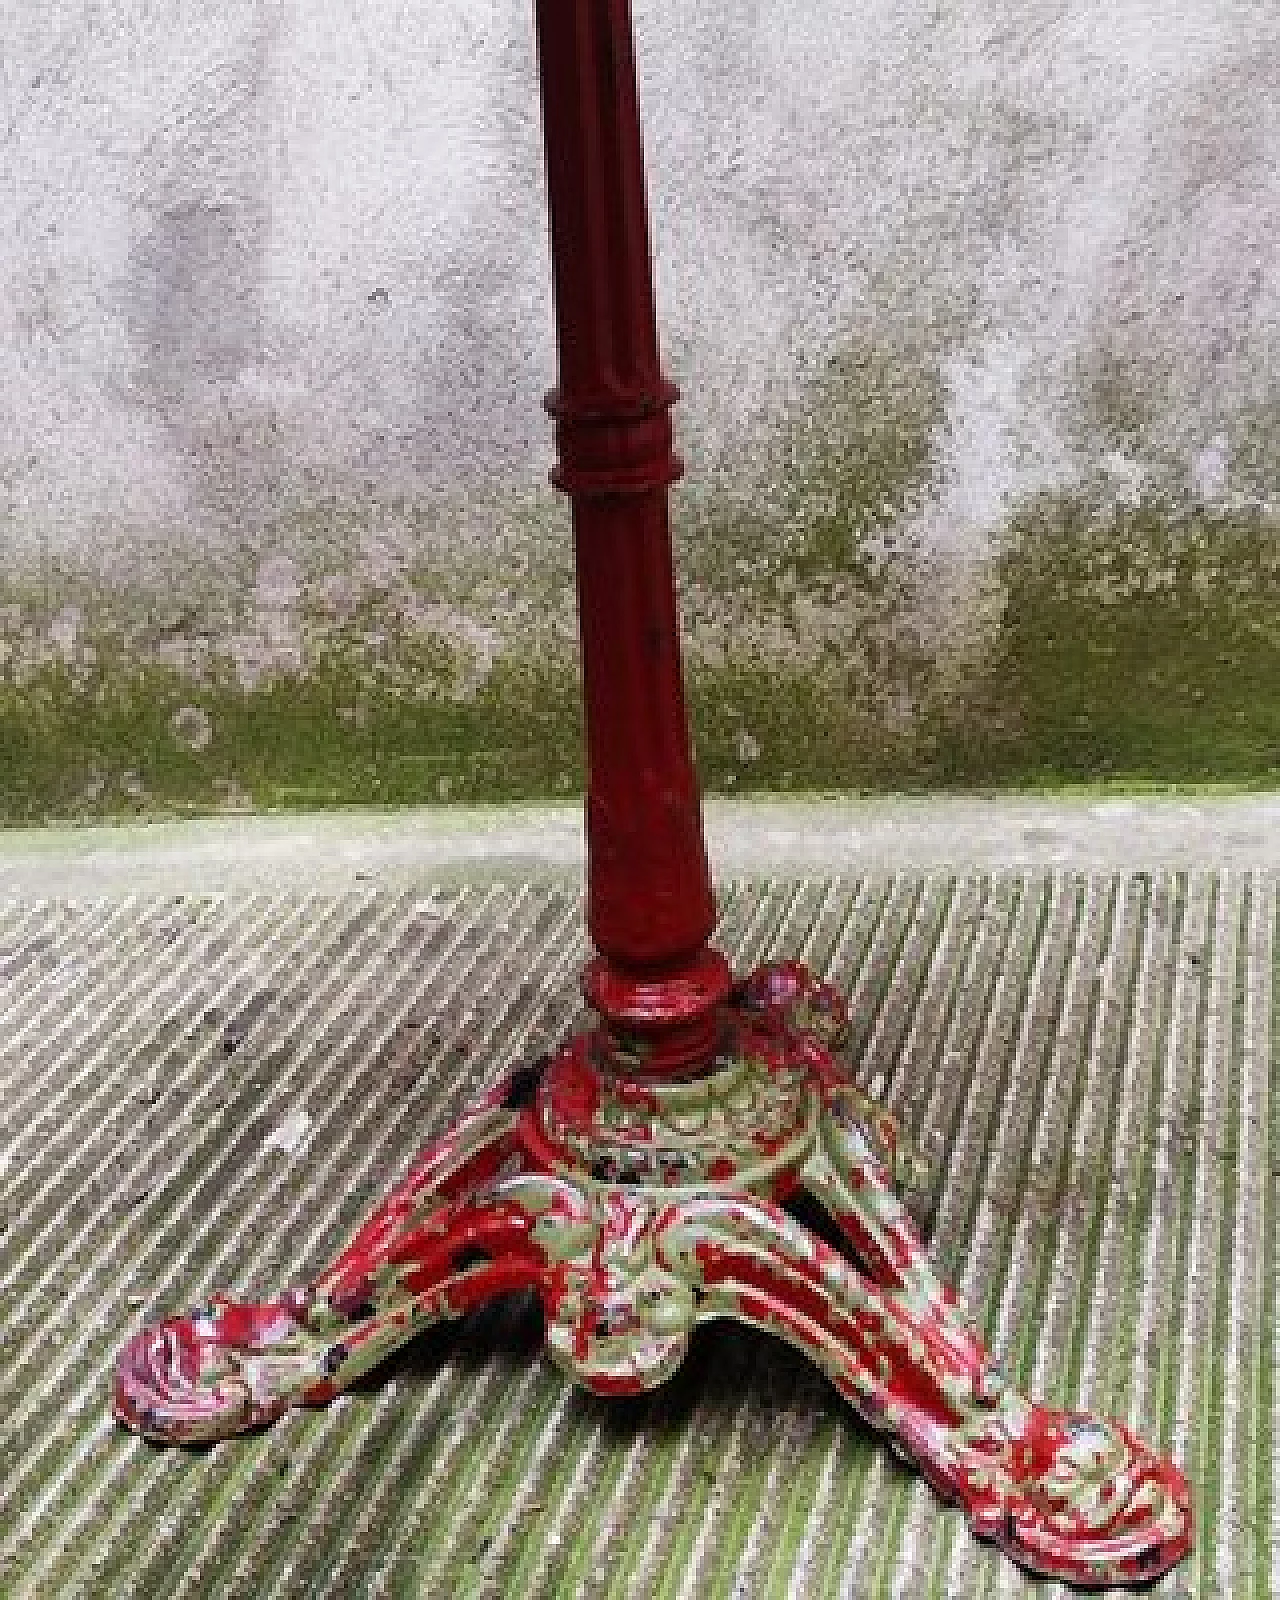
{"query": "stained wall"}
pixel 975 312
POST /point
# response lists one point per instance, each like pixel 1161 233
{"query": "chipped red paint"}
pixel 638 1181
pixel 636 1216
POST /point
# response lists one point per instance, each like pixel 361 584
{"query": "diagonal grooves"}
pixel 535 1525
pixel 848 1519
pixel 1023 1305
pixel 34 1345
pixel 832 929
pixel 607 1530
pixel 90 1180
pixel 751 1482
pixel 493 1444
pixel 1044 943
pixel 448 1085
pixel 969 999
pixel 893 928
pixel 1245 1250
pixel 450 944
pixel 1063 1269
pixel 949 970
pixel 47 930
pixel 293 1535
pixel 1066 1266
pixel 989 1032
pixel 931 1006
pixel 519 1004
pixel 1163 1256
pixel 660 1564
pixel 591 1472
pixel 301 1556
pixel 713 1540
pixel 794 1576
pixel 738 903
pixel 927 1533
pixel 883 1504
pixel 613 1509
pixel 547 1530
pixel 92 1048
pixel 74 1072
pixel 1033 1301
pixel 113 982
pixel 882 1484
pixel 1221 1414
pixel 470 1425
pixel 1112 1354
pixel 1005 1171
pixel 774 1513
pixel 914 961
pixel 955 1038
pixel 173 1266
pixel 641 1554
pixel 1267 1463
pixel 964 1220
pixel 924 1011
pixel 1190 1378
pixel 422 1407
pixel 702 1548
pixel 860 1451
pixel 369 1105
pixel 235 1508
pixel 95 1379
pixel 596 1525
pixel 1117 1096
pixel 520 1001
pixel 738 916
pixel 858 932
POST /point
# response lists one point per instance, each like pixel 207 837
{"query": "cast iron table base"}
pixel 766 1188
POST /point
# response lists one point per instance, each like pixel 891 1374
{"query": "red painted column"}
pixel 651 908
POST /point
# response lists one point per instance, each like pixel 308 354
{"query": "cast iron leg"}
pixel 639 1210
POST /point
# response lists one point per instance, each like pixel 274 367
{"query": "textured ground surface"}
pixel 1088 1053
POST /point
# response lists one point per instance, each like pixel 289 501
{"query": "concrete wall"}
pixel 975 307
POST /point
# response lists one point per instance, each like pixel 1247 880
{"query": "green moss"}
pixel 1131 646
pixel 1143 647
pixel 860 456
pixel 108 739
pixel 829 485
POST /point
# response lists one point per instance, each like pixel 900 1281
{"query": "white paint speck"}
pixel 291 1133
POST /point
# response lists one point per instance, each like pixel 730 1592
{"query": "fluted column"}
pixel 650 903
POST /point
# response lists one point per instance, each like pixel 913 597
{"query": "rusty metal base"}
pixel 768 1189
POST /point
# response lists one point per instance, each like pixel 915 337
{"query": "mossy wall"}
pixel 976 322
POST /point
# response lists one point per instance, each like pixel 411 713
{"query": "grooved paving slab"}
pixel 208 1091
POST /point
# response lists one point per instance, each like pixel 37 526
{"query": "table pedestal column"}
pixel 704 1152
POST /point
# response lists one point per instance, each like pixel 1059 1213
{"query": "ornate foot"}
pixel 765 1189
pixel 438 1246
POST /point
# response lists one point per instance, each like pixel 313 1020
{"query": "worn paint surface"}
pixel 638 1210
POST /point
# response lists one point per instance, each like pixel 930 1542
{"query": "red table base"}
pixel 702 1154
pixel 766 1188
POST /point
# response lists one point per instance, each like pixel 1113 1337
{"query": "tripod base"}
pixel 768 1189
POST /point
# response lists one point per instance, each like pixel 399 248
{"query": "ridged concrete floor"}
pixel 1090 1056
